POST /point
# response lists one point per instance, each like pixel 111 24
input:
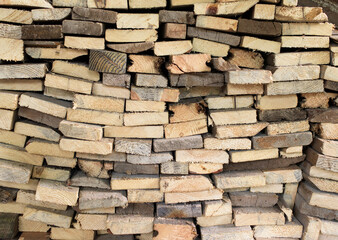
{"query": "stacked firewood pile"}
pixel 155 119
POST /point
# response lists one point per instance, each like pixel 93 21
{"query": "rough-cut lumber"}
pixel 293 87
pixel 53 14
pixel 142 196
pixel 315 29
pixel 283 175
pixel 263 12
pixel 8 225
pixel 322 161
pixel 42 32
pixel 131 47
pixel 94 198
pixel 187 111
pixel 180 3
pixel 12 207
pixel 280 141
pixel 287 127
pixel 276 102
pixel 28 3
pixel 217 23
pixel 135 4
pixel 75 70
pixel 112 157
pixel 75 234
pixel 150 80
pixel 97 15
pixel 11 50
pixel 82 28
pixel 50 217
pixel 116 80
pixel 188 63
pixel 175 130
pixel 99 103
pixel 261 28
pixel 68 83
pixel 153 158
pixel 144 106
pixel 315 197
pixel 200 92
pixel 19 154
pixel 304 42
pixel 213 194
pixel 140 209
pixel 258 216
pixel 226 144
pixel 81 131
pixel 251 199
pixel 115 4
pixel 32 226
pixel 55 53
pixel 299 58
pixel 209 47
pixel 72 3
pixel 185 184
pixel 315 100
pixel 214 220
pixel 323 115
pixel 10 31
pixel 44 104
pixel 189 142
pixel 121 36
pixel 134 132
pixel 174 168
pixel 289 230
pixel 269 188
pixel 214 36
pixel 22 85
pixel 295 73
pixel 174 229
pixel 92 221
pixel 172 47
pixel 175 31
pixel 239 179
pixel 95 147
pixel 15 16
pixel 249 77
pixel 260 44
pixel 223 7
pixel 137 20
pixel 80 179
pixel 317 172
pixel 50 191
pixel 300 14
pixel 96 117
pixel 187 210
pixel 217 207
pixel 240 89
pixel 107 61
pixel 244 58
pixel 326 147
pixel 141 119
pixel 12 138
pixel 155 94
pixel 28 197
pixel 183 17
pixel 227 232
pixel 93 168
pixel 233 117
pixel 253 155
pixel 51 173
pixel 202 156
pixel 35 130
pixel 292 114
pixel 7 119
pixel 121 181
pixel 133 146
pixel 129 168
pixel 205 168
pixel 13 71
pixel 197 79
pixel 129 224
pixel 109 91
pixel 84 42
pixel 326 185
pixel 15 172
pixel 145 64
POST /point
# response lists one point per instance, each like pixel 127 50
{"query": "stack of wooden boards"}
pixel 155 119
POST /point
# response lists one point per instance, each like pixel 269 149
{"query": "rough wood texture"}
pixel 260 44
pixel 202 156
pixel 42 32
pixel 282 88
pixel 15 172
pixel 188 63
pixel 250 199
pixel 193 196
pixel 98 103
pixel 84 42
pixel 258 216
pixel 82 28
pixel 53 14
pixel 239 179
pixel 249 77
pixel 12 49
pixel 131 47
pixel 224 7
pixel 261 28
pixel 174 229
pixel 121 36
pixel 135 20
pixel 16 16
pixel 55 53
pixel 299 58
pixel 11 71
pixel 95 147
pixel 167 16
pixel 107 61
pixel 145 64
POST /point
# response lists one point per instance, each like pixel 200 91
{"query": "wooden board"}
pixel 84 42
pixel 290 174
pixel 169 16
pixel 97 15
pixel 226 144
pixel 233 117
pixel 15 172
pixel 115 4
pixel 193 183
pixel 107 61
pixel 260 44
pixel 143 119
pixel 52 14
pixel 249 77
pixel 65 233
pixel 94 147
pixel 202 156
pixel 304 42
pixel 12 49
pixel 216 23
pixel 295 73
pixel 175 31
pixel 244 58
pixel 10 31
pixel 300 14
pixel 174 229
pixel 209 47
pixel 145 64
pixel 121 181
pixel 137 20
pixel 227 232
pixel 289 230
pixel 175 130
pixel 253 199
pixel 68 83
pixel 95 117
pixel 16 16
pixel 264 12
pixel 260 28
pixel 315 29
pixel 223 7
pixel 7 119
pixel 55 53
pixel 239 179
pixel 318 160
pixel 116 80
pixel 42 32
pixel 82 28
pixel 188 63
pixel 299 58
pixel 81 131
pixel 129 224
pixel 13 71
pixel 167 48
pixel 35 130
pixel 98 103
pixel 253 155
pixel 213 194
pixel 12 138
pixel 133 146
pixel 197 79
pixel 258 216
pixel 294 87
pixel 135 35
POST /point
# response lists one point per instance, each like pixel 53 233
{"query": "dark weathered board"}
pixel 250 199
pixel 8 225
pixel 264 28
pixel 82 28
pixel 39 117
pixel 42 32
pixel 167 16
pixel 107 61
pixel 97 15
pixel 116 80
pixel 215 36
pixel 187 210
pixel 142 209
pixel 291 114
pixel 197 79
pixel 323 115
pixel 123 167
pixel 282 141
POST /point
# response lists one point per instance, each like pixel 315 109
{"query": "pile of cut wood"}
pixel 178 119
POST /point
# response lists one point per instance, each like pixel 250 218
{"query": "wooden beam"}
pixel 304 42
pixel 42 32
pixel 217 23
pixel 280 141
pixel 213 194
pixel 240 130
pixel 249 77
pixel 295 73
pixel 144 119
pixel 314 29
pixel 12 138
pixel 95 198
pixel 299 58
pixel 253 155
pixel 134 35
pixel 154 94
pixel 96 15
pixel 294 87
pixel 233 117
pixel 244 58
pixel 35 130
pixel 261 28
pixel 153 158
pixel 121 225
pixel 134 132
pixel 7 119
pixel 29 3
pixel 182 17
pixel 193 183
pixel 50 217
pixel 173 228
pixel 116 80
